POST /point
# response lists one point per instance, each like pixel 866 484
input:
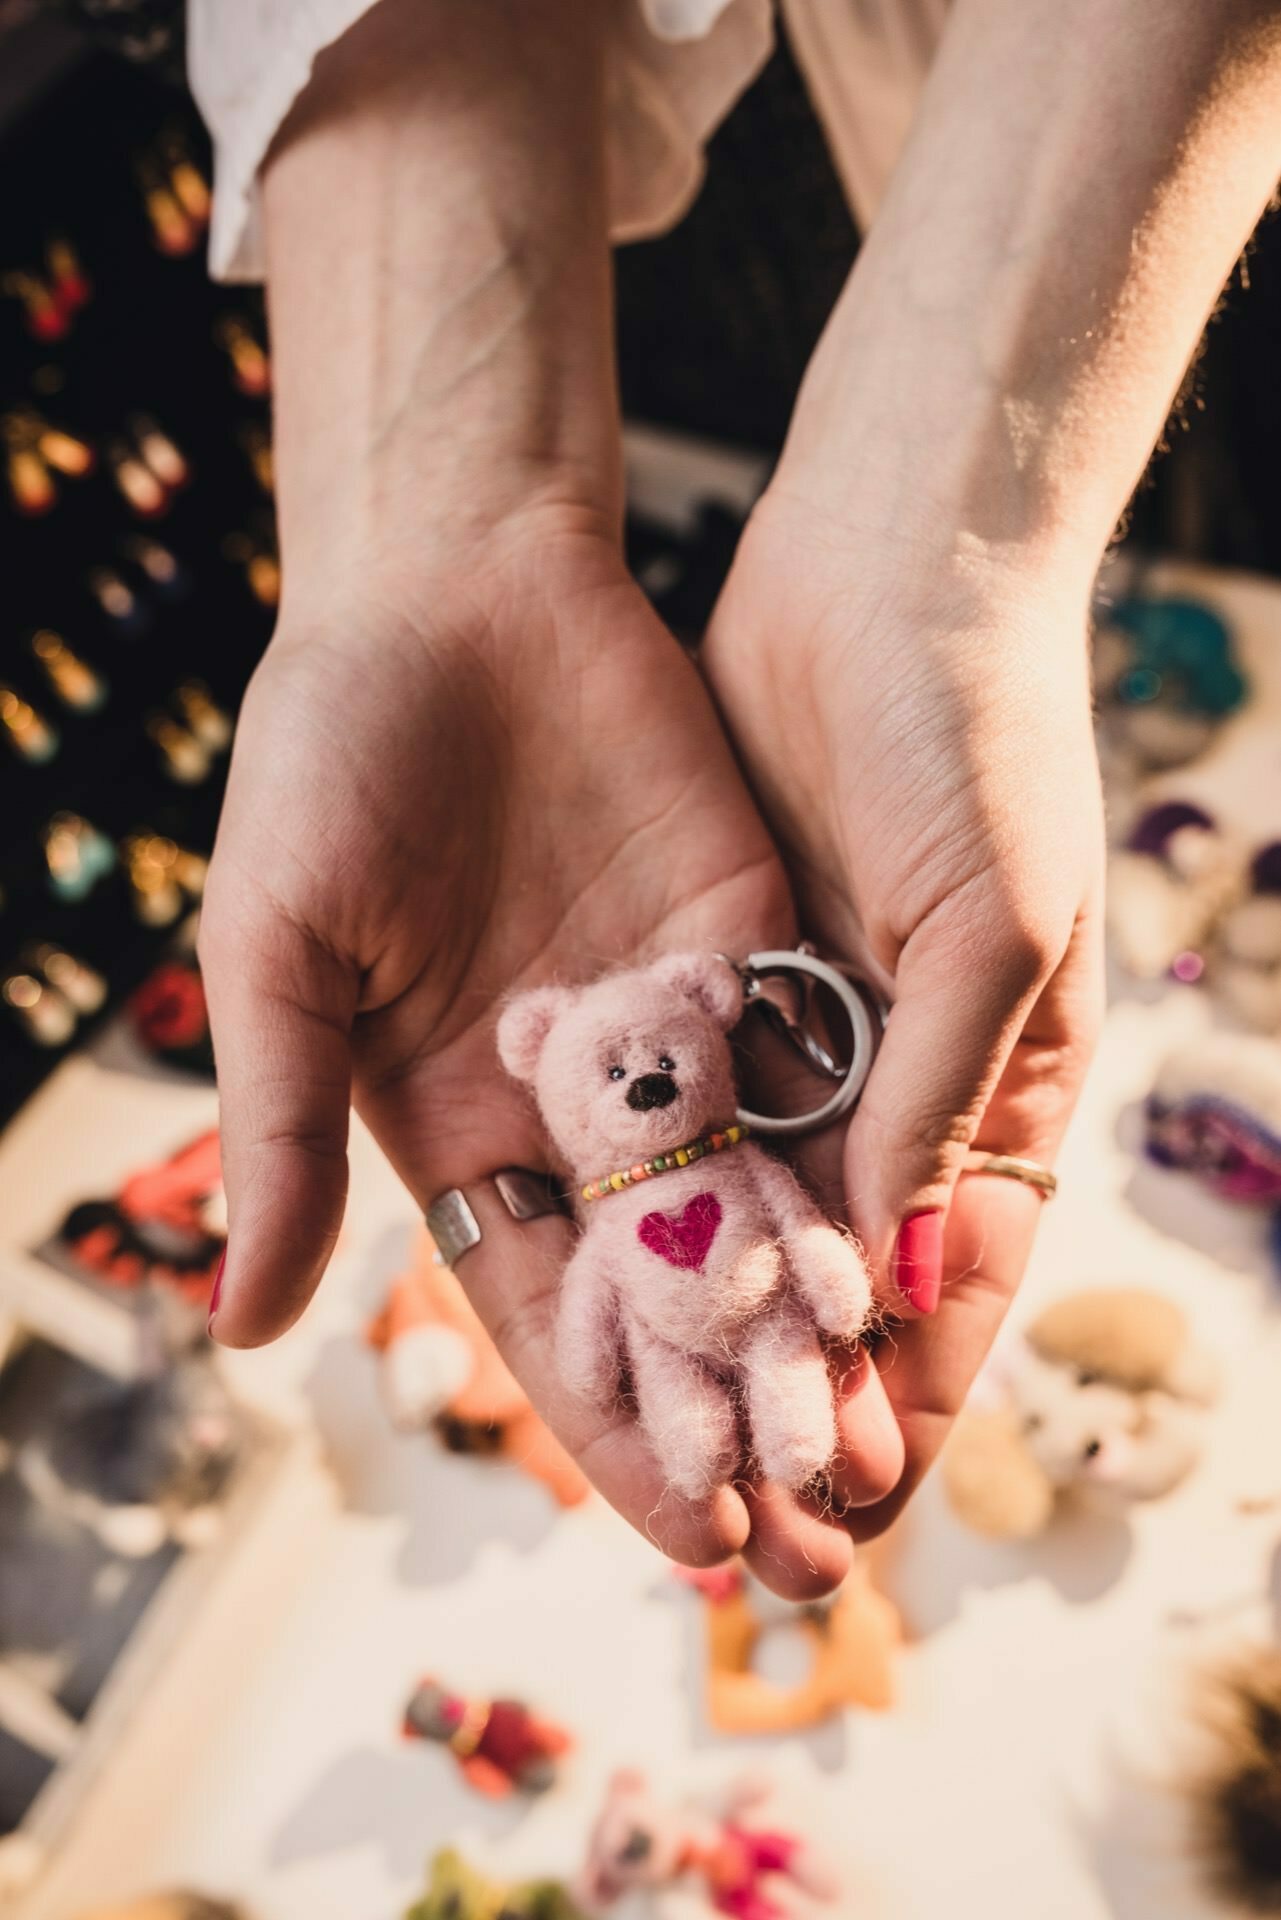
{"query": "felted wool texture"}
pixel 712 1282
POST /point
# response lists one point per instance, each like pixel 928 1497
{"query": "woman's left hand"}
pixel 918 731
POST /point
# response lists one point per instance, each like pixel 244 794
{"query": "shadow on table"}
pixel 937 1561
pixel 407 1804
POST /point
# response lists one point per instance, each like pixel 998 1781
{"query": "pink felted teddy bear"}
pixel 704 1270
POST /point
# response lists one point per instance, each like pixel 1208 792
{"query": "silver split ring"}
pixel 863 1011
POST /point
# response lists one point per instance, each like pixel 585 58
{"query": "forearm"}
pixel 438 277
pixel 1080 181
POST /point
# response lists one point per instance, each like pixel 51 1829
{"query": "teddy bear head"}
pixel 1102 1398
pixel 635 1843
pixel 635 1064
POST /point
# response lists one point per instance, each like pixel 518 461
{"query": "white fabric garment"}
pixel 675 69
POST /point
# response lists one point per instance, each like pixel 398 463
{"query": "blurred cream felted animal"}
pixel 1104 1398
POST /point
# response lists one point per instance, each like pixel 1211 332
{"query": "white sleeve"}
pixel 675 67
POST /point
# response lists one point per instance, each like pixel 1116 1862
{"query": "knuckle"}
pixel 936 1134
pixel 310 1140
pixel 1024 954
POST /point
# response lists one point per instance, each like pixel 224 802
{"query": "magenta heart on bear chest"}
pixel 683 1239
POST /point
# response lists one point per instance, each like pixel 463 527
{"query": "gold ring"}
pixel 1030 1172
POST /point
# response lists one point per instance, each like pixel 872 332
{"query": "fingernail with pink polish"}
pixel 216 1295
pixel 917 1269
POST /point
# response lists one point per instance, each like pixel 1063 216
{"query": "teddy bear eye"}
pixel 1086 1378
pixel 666 1064
pixel 618 1073
pixel 1033 1423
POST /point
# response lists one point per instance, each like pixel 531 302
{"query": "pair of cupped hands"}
pixel 498 768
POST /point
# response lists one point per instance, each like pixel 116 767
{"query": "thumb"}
pixel 280 1011
pixel 962 996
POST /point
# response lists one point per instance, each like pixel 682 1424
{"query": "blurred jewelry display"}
pixel 136 483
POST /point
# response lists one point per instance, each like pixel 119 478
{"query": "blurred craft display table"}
pixel 266 1762
pixel 1021 1772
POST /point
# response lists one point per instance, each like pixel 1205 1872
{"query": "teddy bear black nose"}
pixel 651 1090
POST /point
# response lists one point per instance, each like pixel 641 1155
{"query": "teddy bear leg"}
pixel 685 1413
pixel 789 1397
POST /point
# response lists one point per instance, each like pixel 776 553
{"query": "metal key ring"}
pixel 863 1011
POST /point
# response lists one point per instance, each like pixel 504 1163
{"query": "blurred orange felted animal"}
pixel 440 1368
pixel 853 1639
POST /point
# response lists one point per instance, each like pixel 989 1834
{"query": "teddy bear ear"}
pixel 709 980
pixel 524 1026
pixel 993 1482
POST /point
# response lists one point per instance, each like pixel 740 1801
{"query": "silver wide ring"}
pixel 861 1009
pixel 456 1230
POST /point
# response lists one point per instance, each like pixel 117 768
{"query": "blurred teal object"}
pixel 1182 655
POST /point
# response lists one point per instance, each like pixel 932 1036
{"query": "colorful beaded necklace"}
pixel 665 1162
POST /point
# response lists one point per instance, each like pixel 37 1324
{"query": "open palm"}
pixel 525 783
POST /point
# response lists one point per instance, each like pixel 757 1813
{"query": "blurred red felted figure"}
pixel 501 1747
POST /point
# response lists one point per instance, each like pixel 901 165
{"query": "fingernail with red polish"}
pixel 216 1295
pixel 917 1269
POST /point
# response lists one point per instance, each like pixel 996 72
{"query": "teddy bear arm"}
pixel 587 1327
pixel 825 1265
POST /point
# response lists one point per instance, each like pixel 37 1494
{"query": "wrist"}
pixel 471 603
pixel 885 548
pixel 928 462
pixel 441 305
pixel 1010 340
